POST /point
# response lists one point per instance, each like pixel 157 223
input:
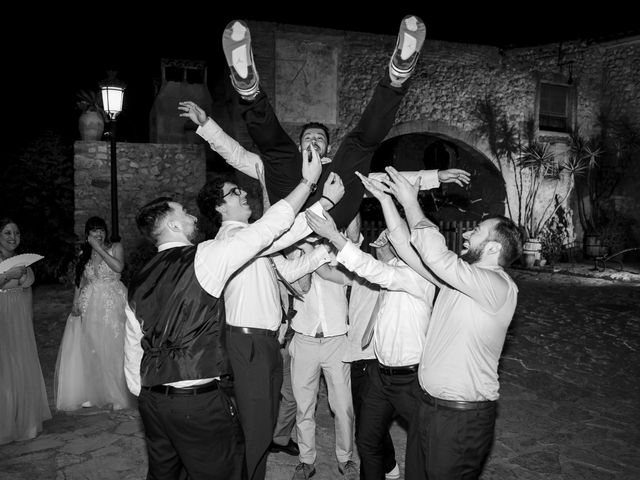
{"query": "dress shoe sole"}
pixel 236 44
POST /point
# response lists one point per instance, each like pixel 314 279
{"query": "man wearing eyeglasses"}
pixel 254 312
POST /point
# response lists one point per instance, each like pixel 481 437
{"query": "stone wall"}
pixel 621 74
pixel 145 171
pixel 449 80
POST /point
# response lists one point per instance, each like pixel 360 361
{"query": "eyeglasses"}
pixel 237 191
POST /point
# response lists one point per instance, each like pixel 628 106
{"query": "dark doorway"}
pixel 422 151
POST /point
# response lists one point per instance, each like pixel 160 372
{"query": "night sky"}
pixel 54 53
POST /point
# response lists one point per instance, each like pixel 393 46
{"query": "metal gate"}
pixel 452 231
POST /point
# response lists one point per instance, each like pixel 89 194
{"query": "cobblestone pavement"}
pixel 569 406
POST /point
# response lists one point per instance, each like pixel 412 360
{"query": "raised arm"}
pixel 220 142
pixel 293 269
pixel 216 260
pixel 429 179
pixel 407 194
pixel 331 194
pixel 391 277
pixel 334 274
pixel 114 259
pixel 399 234
pixel 311 170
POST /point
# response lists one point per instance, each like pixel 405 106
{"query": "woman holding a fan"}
pixel 23 398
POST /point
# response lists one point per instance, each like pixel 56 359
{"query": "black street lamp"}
pixel 112 98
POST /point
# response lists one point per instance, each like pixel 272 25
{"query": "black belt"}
pixel 252 331
pixel 184 391
pixel 456 404
pixel 408 370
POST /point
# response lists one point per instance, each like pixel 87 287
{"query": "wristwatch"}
pixel 312 186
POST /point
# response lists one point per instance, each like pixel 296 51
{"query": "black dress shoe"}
pixel 290 448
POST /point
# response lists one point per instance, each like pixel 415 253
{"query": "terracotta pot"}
pixel 91 126
pixel 534 246
pixel 529 259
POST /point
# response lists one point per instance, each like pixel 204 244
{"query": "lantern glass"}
pixel 112 94
pixel 112 99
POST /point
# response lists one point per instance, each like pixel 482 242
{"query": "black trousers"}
pixel 196 437
pixel 388 396
pixel 450 444
pixel 283 160
pixel 360 384
pixel 257 369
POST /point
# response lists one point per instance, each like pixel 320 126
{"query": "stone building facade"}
pixel 449 80
pixel 145 171
pixel 329 75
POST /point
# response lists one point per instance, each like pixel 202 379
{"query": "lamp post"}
pixel 112 98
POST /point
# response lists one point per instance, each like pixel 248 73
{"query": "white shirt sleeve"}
pixel 216 260
pixel 132 351
pixel 299 230
pixel 228 148
pixel 392 277
pixel 295 268
pixel 486 285
pixel 400 238
pixel 428 178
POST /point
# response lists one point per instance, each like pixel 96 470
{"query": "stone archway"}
pixel 430 145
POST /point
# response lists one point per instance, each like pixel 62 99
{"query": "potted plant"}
pixel 555 237
pixel 92 116
pixel 530 164
pixel 600 159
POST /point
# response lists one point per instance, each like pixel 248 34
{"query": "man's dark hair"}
pixel 210 196
pixel 509 235
pixel 151 214
pixel 314 125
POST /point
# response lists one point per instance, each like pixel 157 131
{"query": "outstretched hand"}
pixel 311 166
pixel 405 192
pixel 333 188
pixel 454 175
pixel 323 226
pixel 375 187
pixel 192 111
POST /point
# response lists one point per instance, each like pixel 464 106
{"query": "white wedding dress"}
pixel 90 364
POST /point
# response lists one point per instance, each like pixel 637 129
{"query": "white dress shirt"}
pixel 215 261
pixel 405 308
pixel 323 309
pixel 468 325
pixel 252 295
pixel 250 163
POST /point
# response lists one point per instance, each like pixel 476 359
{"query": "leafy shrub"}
pixel 38 194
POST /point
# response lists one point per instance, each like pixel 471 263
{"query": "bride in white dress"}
pixel 90 364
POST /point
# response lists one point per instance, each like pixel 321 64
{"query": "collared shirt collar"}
pixel 168 245
pixel 228 223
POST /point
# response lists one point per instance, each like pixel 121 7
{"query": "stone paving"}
pixel 569 406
